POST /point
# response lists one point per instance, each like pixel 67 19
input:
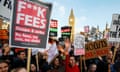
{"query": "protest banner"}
pixel 96 48
pixel 53 28
pixel 115 29
pixel 4 34
pixel 6 8
pixel 79 45
pixel 30 24
pixel 93 30
pixel 66 32
pixel 86 29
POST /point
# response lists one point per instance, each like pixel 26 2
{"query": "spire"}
pixel 72 24
pixel 97 30
pixel 106 27
pixel 71 13
pixel 98 27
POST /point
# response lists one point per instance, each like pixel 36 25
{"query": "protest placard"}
pixel 30 24
pixel 79 45
pixel 96 48
pixel 6 8
pixel 114 35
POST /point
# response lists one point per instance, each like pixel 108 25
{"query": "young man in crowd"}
pixel 70 62
pixel 4 66
pixel 20 60
pixel 92 68
pixel 105 65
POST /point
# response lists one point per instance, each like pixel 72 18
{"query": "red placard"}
pixel 30 24
pixel 53 24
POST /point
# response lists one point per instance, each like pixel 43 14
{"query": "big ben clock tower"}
pixel 71 23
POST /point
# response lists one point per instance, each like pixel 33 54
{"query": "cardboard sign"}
pixel 79 45
pixel 115 29
pixel 52 52
pixel 30 24
pixel 97 48
pixel 93 31
pixel 3 34
pixel 66 31
pixel 53 28
pixel 86 29
pixel 6 8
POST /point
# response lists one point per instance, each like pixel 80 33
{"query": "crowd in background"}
pixel 15 60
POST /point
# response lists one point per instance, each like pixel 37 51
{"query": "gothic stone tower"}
pixel 72 24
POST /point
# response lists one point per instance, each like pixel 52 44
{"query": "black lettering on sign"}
pixel 91 46
pixel 103 43
pixel 0 0
pixel 113 34
pixel 119 35
pixel 96 45
pixel 86 47
pixel 8 4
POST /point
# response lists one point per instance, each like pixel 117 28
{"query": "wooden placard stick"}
pixel 28 59
pixel 115 49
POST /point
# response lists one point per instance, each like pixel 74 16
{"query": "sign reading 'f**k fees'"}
pixel 30 24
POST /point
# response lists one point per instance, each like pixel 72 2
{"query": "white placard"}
pixel 115 29
pixel 52 52
pixel 6 8
pixel 79 45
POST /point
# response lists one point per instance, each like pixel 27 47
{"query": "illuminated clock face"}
pixel 71 19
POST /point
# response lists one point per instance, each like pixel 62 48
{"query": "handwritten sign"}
pixel 97 48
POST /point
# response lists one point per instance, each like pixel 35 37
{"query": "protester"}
pixel 45 67
pixel 20 60
pixel 117 62
pixel 4 66
pixel 19 69
pixel 65 61
pixel 7 50
pixel 105 65
pixel 70 63
pixel 57 66
pixel 33 68
pixel 7 53
pixel 92 68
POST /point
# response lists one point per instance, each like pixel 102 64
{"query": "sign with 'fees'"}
pixel 30 24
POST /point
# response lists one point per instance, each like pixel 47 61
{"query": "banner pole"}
pixel 109 70
pixel 81 63
pixel 115 49
pixel 28 60
pixel 84 63
pixel 37 62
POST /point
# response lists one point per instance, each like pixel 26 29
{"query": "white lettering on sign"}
pixel 35 19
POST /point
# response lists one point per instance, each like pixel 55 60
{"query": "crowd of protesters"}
pixel 15 60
